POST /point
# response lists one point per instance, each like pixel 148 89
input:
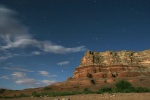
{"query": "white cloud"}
pixel 44 73
pixel 36 53
pixel 19 75
pixel 22 79
pixel 26 81
pixel 46 46
pixel 5 57
pixel 63 63
pixel 48 82
pixel 34 83
pixel 17 69
pixel 58 49
pixel 4 77
pixel 9 24
pixel 14 34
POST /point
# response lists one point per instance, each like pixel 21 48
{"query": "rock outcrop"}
pixel 111 64
pixel 101 68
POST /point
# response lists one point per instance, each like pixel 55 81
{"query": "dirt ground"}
pixel 106 96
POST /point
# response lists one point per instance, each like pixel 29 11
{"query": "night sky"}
pixel 42 41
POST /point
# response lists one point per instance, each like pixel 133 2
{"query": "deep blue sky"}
pixel 42 41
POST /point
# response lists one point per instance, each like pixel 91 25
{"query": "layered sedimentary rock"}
pixel 102 68
pixel 110 65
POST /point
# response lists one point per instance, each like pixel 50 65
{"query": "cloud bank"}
pixel 13 34
pixel 63 63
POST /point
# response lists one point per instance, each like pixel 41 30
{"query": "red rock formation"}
pixel 113 64
pixel 100 68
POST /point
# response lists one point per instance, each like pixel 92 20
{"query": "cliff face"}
pixel 111 64
pixel 109 58
pixel 102 68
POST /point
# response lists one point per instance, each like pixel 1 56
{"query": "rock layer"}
pixel 108 58
pixel 98 69
pixel 102 67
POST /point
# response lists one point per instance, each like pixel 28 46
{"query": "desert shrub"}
pixel 22 95
pixel 7 97
pixel 86 91
pixel 105 89
pixel 122 85
pixel 53 94
pixel 2 91
pixel 47 88
pixel 35 94
pixel 141 89
pixel 128 90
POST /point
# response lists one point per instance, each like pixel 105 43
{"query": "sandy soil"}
pixel 118 96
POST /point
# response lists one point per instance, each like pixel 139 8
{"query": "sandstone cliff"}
pixel 98 69
pixel 116 58
pixel 113 64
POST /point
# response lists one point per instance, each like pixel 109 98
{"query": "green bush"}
pixel 22 95
pixel 35 94
pixel 141 89
pixel 106 89
pixel 47 88
pixel 86 91
pixel 122 85
pixel 2 91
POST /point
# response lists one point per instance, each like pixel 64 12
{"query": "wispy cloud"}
pixel 63 63
pixel 26 81
pixel 19 75
pixel 34 83
pixel 4 77
pixel 17 69
pixel 48 82
pixel 14 34
pixel 22 79
pixel 45 73
pixel 5 57
pixel 36 52
pixel 9 24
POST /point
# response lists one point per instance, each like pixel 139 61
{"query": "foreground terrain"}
pixel 105 96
